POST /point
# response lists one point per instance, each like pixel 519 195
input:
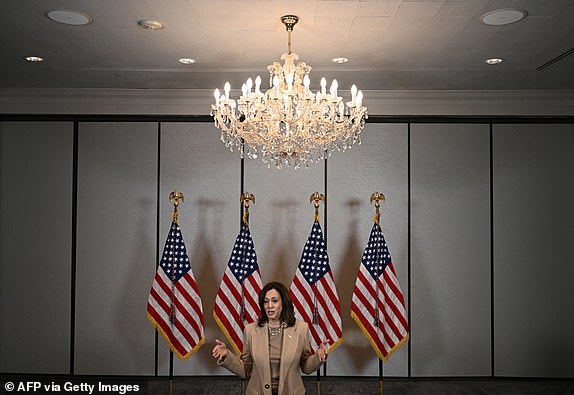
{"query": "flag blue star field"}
pixel 378 305
pixel 314 293
pixel 237 300
pixel 174 304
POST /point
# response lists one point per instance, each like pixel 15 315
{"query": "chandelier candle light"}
pixel 288 125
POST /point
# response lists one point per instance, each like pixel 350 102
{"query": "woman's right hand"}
pixel 220 350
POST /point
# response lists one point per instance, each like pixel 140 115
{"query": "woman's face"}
pixel 273 305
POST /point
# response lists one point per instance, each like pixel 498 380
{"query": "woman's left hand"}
pixel 322 351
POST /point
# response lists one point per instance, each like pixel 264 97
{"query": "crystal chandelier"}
pixel 288 125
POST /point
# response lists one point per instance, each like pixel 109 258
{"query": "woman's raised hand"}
pixel 220 350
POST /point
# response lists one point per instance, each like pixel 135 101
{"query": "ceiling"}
pixel 391 45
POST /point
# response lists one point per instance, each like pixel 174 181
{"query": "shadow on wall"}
pixel 281 247
pixel 132 303
pixel 355 346
pixel 208 272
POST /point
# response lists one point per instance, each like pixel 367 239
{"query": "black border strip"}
pixel 241 188
pixel 478 119
pixel 325 201
pixel 73 260
pixel 555 60
pixel 325 239
pixel 106 118
pixel 306 378
pixel 157 235
pixel 492 348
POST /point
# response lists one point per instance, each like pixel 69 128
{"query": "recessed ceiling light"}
pixel 187 61
pixel 150 24
pixel 504 16
pixel 340 60
pixel 34 59
pixel 494 61
pixel 69 17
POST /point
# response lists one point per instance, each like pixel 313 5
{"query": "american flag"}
pixel 237 300
pixel 314 294
pixel 378 305
pixel 174 304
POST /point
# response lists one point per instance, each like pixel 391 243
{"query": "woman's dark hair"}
pixel 287 312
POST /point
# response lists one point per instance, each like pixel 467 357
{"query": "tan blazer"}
pixel 253 364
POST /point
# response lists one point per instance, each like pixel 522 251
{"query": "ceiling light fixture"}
pixel 148 24
pixel 34 59
pixel 504 16
pixel 187 61
pixel 340 60
pixel 69 17
pixel 288 125
pixel 494 61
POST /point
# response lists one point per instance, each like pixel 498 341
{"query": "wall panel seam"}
pixel 157 238
pixel 492 349
pixel 74 240
pixel 409 372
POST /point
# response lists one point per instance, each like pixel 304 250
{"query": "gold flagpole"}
pixel 378 197
pixel 245 198
pixel 380 376
pixel 316 197
pixel 174 197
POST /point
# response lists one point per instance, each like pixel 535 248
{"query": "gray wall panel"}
pixel 379 164
pixel 450 250
pixel 282 217
pixel 534 253
pixel 533 189
pixel 36 164
pixel 195 162
pixel 116 247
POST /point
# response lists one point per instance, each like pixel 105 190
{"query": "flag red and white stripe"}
pixel 314 293
pixel 237 300
pixel 174 304
pixel 378 305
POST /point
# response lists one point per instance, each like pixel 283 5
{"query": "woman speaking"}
pixel 276 348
